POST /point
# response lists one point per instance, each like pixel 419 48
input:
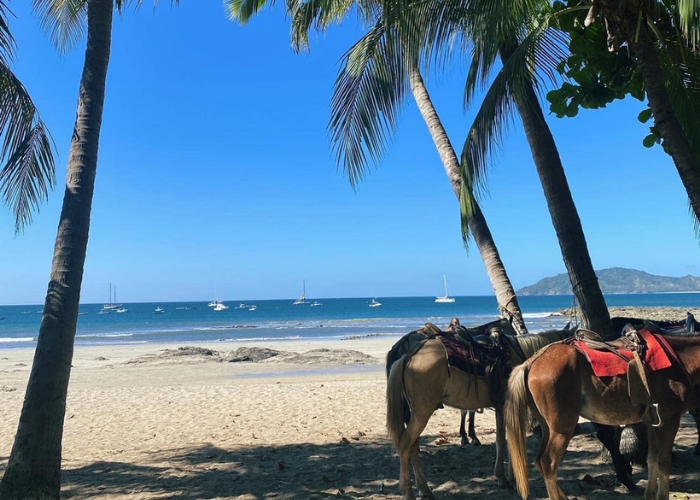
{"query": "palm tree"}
pixel 368 92
pixel 502 29
pixel 27 149
pixel 34 467
pixel 671 86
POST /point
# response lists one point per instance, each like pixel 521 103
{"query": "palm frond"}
pixel 368 93
pixel 317 13
pixel 243 10
pixel 689 13
pixel 532 63
pixel 27 149
pixel 64 20
pixel 437 27
pixel 467 204
pixel 681 67
pixel 7 41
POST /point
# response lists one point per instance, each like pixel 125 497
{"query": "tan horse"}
pixel 426 381
pixel 559 385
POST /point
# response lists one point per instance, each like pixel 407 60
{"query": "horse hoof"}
pixel 504 483
pixel 465 441
pixel 476 442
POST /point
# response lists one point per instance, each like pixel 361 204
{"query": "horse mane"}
pixel 530 343
pixel 403 346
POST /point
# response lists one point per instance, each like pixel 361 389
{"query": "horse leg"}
pixel 472 431
pixel 409 452
pixel 405 474
pixel 558 422
pixel 609 435
pixel 463 427
pixel 421 483
pixel 501 450
pixel 695 412
pixel 659 458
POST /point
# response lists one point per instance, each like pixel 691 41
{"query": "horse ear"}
pixel 689 322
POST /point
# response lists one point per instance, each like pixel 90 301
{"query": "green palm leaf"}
pixel 368 93
pixel 64 20
pixel 532 62
pixel 27 149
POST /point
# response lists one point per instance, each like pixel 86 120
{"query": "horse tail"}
pixel 516 419
pixel 395 402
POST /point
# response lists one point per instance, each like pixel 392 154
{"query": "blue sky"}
pixel 216 172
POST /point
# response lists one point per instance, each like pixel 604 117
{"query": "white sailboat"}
pixel 302 299
pixel 112 306
pixel 445 299
pixel 215 301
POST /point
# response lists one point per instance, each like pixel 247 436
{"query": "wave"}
pixel 104 335
pixel 17 339
pixel 548 314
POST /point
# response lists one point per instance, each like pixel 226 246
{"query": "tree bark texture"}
pixel 676 142
pixel 34 468
pixel 505 294
pixel 562 210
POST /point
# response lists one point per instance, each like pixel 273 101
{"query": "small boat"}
pixel 212 303
pixel 243 306
pixel 159 310
pixel 122 310
pixel 112 306
pixel 374 303
pixel 445 299
pixel 220 306
pixel 316 303
pixel 302 299
pixel 252 308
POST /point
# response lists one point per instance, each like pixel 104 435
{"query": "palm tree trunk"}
pixel 505 294
pixel 34 468
pixel 676 142
pixel 562 209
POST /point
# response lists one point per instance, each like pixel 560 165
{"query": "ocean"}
pixel 189 322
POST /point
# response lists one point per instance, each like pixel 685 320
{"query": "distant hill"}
pixel 617 280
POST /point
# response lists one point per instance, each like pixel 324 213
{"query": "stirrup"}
pixel 652 416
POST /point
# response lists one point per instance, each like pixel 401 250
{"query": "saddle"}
pixel 633 348
pixel 481 355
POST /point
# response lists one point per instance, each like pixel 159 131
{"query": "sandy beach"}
pixel 215 421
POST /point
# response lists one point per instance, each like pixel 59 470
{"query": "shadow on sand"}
pixel 347 469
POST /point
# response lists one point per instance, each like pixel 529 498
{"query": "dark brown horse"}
pixel 558 385
pixel 425 380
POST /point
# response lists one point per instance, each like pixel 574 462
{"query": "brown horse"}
pixel 409 341
pixel 558 385
pixel 426 381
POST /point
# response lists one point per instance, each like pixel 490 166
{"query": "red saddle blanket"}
pixel 608 364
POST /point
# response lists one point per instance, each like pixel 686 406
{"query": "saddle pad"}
pixel 607 364
pixel 468 358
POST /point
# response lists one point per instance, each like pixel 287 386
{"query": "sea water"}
pixel 190 322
